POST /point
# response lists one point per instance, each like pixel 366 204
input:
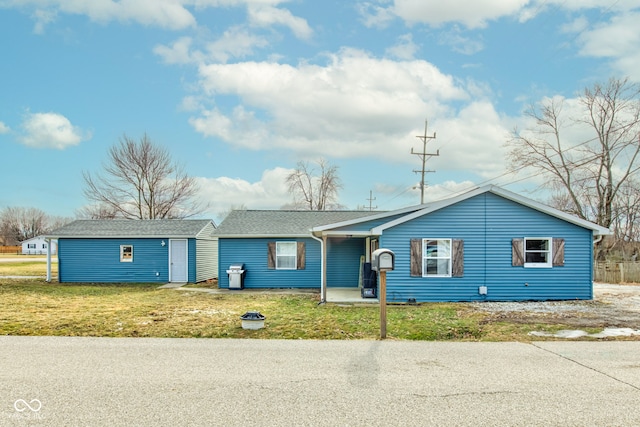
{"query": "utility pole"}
pixel 371 199
pixel 424 156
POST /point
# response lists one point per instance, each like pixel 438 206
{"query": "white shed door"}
pixel 178 261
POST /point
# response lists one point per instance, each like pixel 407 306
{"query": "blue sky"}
pixel 241 90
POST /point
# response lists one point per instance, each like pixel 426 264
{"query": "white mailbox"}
pixel 382 260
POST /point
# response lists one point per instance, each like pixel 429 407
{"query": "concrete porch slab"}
pixel 341 295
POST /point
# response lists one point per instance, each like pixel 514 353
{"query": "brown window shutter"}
pixel 517 252
pixel 457 269
pixel 558 252
pixel 416 257
pixel 300 256
pixel 271 255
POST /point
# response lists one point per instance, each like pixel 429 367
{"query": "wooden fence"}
pixel 16 250
pixel 616 272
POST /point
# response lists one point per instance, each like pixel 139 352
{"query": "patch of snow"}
pixel 607 332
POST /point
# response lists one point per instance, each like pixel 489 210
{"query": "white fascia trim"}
pixel 364 219
pixel 347 233
pixel 261 236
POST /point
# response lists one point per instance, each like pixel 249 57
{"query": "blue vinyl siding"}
pixel 343 261
pixel 253 253
pixel 487 224
pixel 98 260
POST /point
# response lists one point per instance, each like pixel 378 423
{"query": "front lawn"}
pixel 34 307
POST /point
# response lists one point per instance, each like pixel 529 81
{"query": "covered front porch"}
pixel 346 268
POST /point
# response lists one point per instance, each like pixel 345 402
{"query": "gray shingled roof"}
pixel 106 228
pixel 281 223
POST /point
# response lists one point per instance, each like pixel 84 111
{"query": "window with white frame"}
pixel 436 257
pixel 126 253
pixel 537 252
pixel 31 245
pixel 286 255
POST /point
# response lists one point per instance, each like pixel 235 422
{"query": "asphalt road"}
pixel 57 381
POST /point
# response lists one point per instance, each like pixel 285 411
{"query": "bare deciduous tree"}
pixel 141 182
pixel 18 224
pixel 311 191
pixel 587 175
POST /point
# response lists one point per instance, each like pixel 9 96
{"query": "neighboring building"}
pixel 38 246
pixel 136 251
pixel 487 244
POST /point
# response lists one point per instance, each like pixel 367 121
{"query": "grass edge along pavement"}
pixel 38 308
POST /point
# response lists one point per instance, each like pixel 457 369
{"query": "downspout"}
pixel 323 284
pixel 593 261
pixel 596 241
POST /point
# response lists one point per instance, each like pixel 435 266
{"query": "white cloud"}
pixel 444 190
pixel 617 39
pixel 42 18
pixel 352 106
pixel 179 52
pixel 4 128
pixel 375 16
pixel 236 42
pixel 50 130
pixel 474 141
pixel 269 193
pixel 266 16
pixel 460 43
pixel 170 14
pixel 472 14
pixel 355 106
pixel 405 48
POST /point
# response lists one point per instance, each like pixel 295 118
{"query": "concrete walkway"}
pixel 59 381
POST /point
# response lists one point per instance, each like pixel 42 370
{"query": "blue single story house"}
pixel 487 244
pixel 143 251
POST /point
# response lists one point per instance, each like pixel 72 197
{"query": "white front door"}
pixel 178 260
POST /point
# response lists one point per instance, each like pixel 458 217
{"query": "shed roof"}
pixel 134 228
pixel 257 223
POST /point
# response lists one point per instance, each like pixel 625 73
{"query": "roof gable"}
pixel 130 228
pixel 432 207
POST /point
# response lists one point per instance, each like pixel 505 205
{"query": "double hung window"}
pixel 436 257
pixel 286 255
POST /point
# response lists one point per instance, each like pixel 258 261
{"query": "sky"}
pixel 240 91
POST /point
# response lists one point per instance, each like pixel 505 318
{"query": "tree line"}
pixel 18 224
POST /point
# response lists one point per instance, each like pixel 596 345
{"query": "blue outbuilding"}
pixel 175 250
pixel 487 244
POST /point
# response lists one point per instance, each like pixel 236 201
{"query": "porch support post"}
pixel 324 268
pixel 48 259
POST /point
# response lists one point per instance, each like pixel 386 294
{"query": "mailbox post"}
pixel 383 260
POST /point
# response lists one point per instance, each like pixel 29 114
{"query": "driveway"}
pixel 613 306
pixel 58 381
